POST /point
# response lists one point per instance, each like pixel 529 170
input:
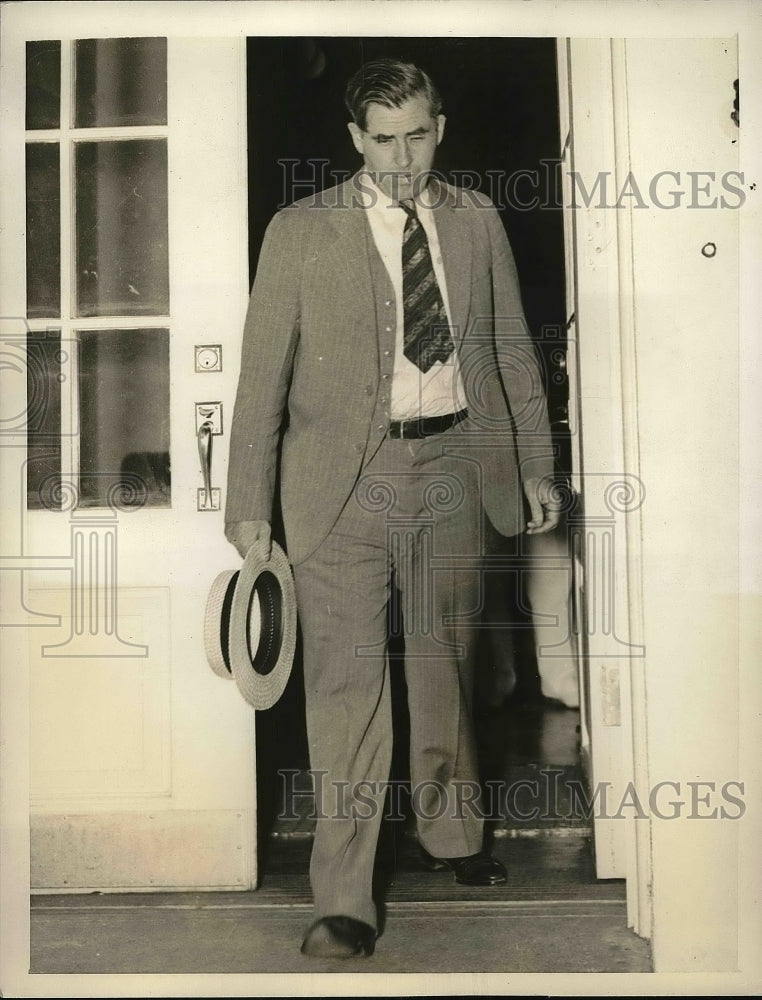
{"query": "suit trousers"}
pixel 414 519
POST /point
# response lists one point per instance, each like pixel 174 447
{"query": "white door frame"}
pixel 603 411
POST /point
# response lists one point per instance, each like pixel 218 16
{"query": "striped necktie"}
pixel 427 330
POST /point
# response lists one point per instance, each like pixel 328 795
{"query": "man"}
pixel 387 377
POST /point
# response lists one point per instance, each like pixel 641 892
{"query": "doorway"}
pixel 500 97
pixel 205 132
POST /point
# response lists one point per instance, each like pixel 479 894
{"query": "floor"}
pixel 552 916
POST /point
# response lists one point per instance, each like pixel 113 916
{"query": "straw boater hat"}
pixel 250 626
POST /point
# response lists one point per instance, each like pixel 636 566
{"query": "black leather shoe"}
pixel 339 937
pixel 475 869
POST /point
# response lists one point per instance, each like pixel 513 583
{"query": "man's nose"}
pixel 404 155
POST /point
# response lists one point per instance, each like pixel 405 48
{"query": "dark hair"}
pixel 389 82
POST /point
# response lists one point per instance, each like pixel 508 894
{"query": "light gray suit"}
pixel 313 408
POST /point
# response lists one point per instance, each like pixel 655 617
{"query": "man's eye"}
pixel 382 140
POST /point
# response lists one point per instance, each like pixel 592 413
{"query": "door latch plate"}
pixel 214 500
pixel 211 412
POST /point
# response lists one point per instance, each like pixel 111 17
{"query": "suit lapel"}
pixel 348 258
pixel 351 246
pixel 455 244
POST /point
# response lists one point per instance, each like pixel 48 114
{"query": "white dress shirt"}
pixel 414 393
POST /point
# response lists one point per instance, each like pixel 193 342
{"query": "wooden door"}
pixel 125 239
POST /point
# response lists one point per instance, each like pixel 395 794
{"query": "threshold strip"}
pixel 427 905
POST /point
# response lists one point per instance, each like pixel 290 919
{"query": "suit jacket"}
pixel 312 405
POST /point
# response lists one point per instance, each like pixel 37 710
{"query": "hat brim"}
pixel 262 629
pixel 217 623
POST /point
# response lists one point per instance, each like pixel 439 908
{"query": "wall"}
pixel 686 320
pixel 658 268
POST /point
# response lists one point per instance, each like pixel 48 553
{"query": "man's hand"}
pixel 246 534
pixel 545 508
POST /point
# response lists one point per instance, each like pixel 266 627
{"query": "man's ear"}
pixel 356 132
pixel 440 127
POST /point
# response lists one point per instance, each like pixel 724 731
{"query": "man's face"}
pixel 398 144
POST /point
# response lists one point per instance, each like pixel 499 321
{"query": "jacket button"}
pixel 380 427
pixel 385 376
pixel 388 302
pixel 368 390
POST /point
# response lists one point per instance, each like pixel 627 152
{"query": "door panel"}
pixel 139 850
pixel 114 738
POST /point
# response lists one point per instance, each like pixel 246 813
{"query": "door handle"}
pixel 208 497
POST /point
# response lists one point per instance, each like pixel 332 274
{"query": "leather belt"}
pixel 421 427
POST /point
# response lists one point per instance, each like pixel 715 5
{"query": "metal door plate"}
pixel 201 504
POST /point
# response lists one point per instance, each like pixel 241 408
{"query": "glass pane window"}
pixel 43 84
pixel 43 425
pixel 120 81
pixel 43 229
pixel 118 234
pixel 124 418
pixel 121 228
